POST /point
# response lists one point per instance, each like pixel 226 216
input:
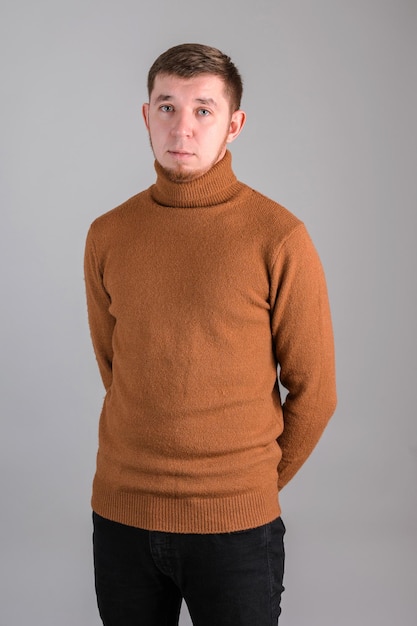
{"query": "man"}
pixel 198 289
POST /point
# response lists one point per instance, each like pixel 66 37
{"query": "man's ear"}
pixel 145 114
pixel 236 124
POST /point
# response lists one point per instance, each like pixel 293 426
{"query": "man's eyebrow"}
pixel 162 98
pixel 208 101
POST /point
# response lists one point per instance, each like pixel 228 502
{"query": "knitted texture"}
pixel 196 292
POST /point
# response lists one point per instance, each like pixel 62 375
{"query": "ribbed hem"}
pixel 187 515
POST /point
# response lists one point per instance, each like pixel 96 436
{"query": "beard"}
pixel 180 174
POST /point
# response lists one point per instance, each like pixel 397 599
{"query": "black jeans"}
pixel 228 579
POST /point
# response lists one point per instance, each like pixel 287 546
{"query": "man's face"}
pixel 190 124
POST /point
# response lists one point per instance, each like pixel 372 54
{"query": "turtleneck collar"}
pixel 216 186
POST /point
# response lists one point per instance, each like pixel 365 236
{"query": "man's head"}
pixel 189 60
pixel 193 109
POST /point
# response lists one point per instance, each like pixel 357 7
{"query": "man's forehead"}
pixel 204 88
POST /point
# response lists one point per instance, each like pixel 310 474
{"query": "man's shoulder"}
pixel 122 214
pixel 274 216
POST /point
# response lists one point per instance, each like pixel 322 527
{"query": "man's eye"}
pixel 166 108
pixel 203 112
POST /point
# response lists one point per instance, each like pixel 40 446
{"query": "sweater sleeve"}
pixel 100 320
pixel 303 343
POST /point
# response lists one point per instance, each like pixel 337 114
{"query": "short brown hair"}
pixel 192 59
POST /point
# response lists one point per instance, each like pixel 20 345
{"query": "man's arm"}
pixel 100 320
pixel 303 340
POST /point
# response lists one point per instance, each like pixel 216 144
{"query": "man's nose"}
pixel 182 126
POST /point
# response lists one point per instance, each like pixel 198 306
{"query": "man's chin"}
pixel 182 174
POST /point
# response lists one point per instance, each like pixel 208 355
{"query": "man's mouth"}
pixel 180 153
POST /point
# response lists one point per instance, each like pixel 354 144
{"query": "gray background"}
pixel 331 101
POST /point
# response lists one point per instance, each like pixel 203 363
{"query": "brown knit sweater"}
pixel 196 292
